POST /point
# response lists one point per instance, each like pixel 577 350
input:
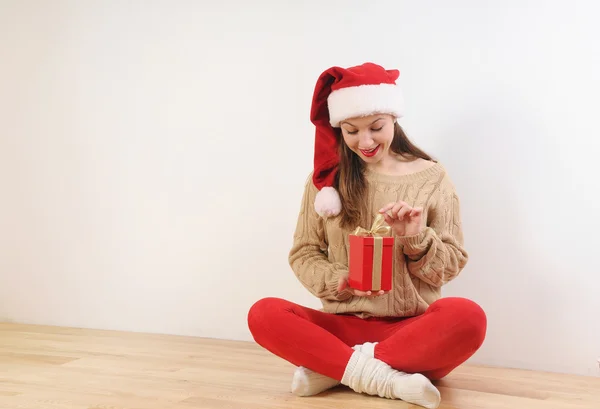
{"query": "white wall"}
pixel 141 144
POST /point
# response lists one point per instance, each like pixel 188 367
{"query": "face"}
pixel 369 137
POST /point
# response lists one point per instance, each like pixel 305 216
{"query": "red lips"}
pixel 372 152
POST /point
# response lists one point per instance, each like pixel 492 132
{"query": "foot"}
pixel 309 383
pixel 417 389
pixel 369 375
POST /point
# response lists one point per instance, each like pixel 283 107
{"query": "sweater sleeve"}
pixel 308 258
pixel 436 255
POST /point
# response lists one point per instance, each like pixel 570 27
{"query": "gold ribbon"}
pixel 377 228
pixel 377 231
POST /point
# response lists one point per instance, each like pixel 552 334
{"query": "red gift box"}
pixel 371 258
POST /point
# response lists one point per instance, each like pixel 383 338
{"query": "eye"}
pixel 351 132
pixel 378 129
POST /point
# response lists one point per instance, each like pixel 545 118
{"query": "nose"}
pixel 365 140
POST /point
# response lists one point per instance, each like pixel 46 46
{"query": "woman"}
pixel 390 344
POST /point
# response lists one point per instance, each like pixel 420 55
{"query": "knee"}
pixel 262 312
pixel 470 318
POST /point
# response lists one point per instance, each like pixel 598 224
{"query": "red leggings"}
pixel 433 344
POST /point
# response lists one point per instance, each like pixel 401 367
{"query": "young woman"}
pixel 390 344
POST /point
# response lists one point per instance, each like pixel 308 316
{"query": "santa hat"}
pixel 342 93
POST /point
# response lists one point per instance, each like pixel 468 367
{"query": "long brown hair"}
pixel 350 179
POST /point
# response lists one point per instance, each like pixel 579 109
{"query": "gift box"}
pixel 371 258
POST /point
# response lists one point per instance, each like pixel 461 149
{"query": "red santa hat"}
pixel 342 93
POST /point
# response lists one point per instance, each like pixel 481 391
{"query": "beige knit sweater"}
pixel 423 263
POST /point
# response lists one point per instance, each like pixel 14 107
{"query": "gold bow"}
pixel 377 228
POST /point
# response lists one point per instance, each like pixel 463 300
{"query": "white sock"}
pixel 369 375
pixel 308 383
pixel 367 348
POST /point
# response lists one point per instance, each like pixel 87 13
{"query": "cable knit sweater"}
pixel 422 263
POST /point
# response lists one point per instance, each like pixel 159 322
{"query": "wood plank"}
pixel 70 368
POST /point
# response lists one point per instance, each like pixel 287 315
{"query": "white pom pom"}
pixel 328 202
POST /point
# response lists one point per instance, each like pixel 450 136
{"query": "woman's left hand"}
pixel 404 219
pixel 344 285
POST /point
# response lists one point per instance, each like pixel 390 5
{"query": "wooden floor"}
pixel 52 368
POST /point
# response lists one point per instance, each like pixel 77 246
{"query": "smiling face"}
pixel 369 137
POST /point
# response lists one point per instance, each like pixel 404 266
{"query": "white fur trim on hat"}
pixel 364 100
pixel 328 202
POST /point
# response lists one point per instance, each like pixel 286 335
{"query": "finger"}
pixel 388 219
pixel 396 208
pixel 403 211
pixel 416 211
pixel 387 207
pixel 391 206
pixel 368 293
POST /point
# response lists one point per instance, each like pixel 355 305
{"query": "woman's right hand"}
pixel 344 285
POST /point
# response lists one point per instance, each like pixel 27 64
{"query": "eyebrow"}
pixel 346 122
